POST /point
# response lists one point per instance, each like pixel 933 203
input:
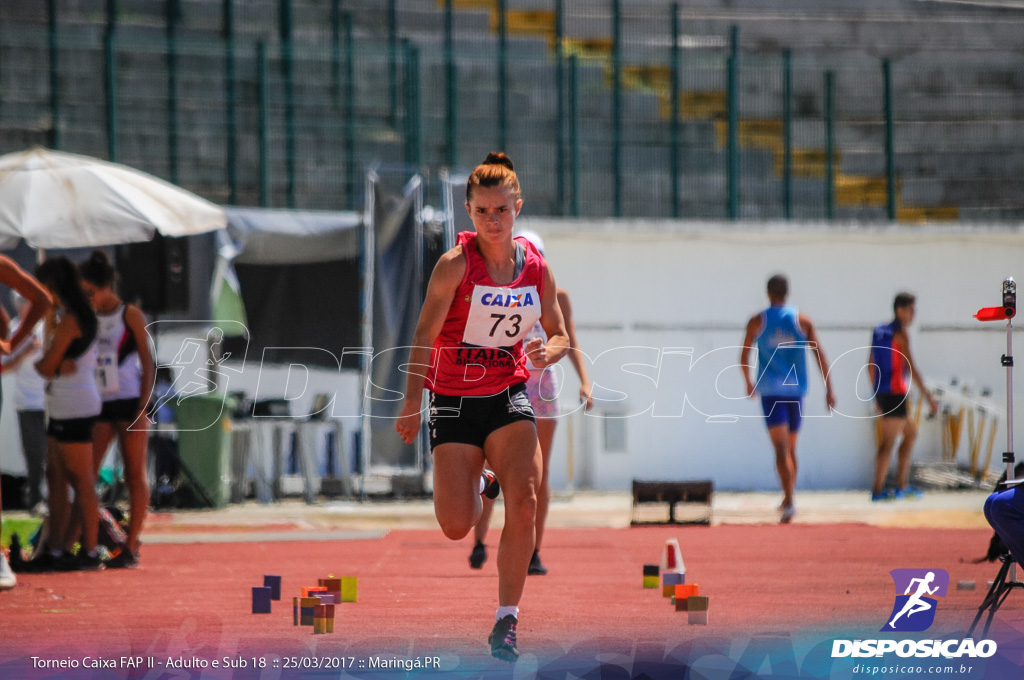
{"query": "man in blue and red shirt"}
pixel 890 364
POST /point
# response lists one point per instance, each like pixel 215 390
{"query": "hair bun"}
pixel 99 257
pixel 498 158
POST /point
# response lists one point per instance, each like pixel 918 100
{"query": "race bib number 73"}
pixel 501 317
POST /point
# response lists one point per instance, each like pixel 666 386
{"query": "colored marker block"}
pixel 672 578
pixel 668 591
pixel 331 584
pixel 349 589
pixel 309 590
pixel 680 603
pixel 274 583
pixel 330 618
pixel 698 618
pixel 295 611
pixel 320 619
pixel 698 603
pixel 327 597
pixel 307 606
pixel 686 590
pixel 261 600
pixel 650 581
pixel 651 570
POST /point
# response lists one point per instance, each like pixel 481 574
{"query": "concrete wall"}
pixel 669 285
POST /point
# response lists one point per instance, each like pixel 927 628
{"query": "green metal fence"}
pixel 605 113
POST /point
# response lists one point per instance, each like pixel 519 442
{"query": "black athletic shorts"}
pixel 892 405
pixel 469 420
pixel 71 430
pixel 119 410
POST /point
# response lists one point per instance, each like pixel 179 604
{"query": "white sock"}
pixel 505 611
pixel 482 484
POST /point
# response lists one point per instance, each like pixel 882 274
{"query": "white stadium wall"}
pixel 663 285
pixel 639 288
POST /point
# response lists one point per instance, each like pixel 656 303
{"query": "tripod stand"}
pixel 1006 580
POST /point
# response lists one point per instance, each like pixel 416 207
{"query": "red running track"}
pixel 417 594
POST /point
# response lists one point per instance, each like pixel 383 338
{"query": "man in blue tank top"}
pixel 782 336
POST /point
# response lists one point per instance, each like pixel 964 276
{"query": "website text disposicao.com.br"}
pixel 909 669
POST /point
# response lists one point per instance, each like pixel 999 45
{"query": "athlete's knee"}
pixel 909 431
pixel 455 528
pixel 521 506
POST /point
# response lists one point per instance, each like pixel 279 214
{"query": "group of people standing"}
pixel 82 378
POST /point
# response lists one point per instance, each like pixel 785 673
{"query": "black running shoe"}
pixel 491 488
pixel 536 568
pixel 503 639
pixel 478 556
pixel 125 559
pixel 42 564
pixel 86 562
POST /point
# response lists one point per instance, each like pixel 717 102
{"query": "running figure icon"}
pixel 916 603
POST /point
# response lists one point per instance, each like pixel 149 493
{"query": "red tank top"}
pixel 479 351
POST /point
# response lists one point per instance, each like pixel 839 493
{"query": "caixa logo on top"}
pixel 914 610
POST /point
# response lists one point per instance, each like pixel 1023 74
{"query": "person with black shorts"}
pixel 72 404
pixel 889 364
pixel 483 298
pixel 39 302
pixel 126 372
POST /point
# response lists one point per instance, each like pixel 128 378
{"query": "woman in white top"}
pixel 126 373
pixel 30 403
pixel 72 404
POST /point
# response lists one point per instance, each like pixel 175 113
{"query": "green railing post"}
pixel 675 126
pixel 890 151
pixel 452 81
pixel 336 50
pixel 502 76
pixel 574 140
pixel 732 145
pixel 262 71
pixel 110 78
pixel 616 109
pixel 393 59
pixel 559 107
pixel 110 64
pixel 231 128
pixel 173 12
pixel 287 73
pixel 412 104
pixel 787 134
pixel 350 114
pixel 51 17
pixel 830 178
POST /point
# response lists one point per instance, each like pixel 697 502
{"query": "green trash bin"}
pixel 204 445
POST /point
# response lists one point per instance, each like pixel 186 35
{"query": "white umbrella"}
pixel 60 200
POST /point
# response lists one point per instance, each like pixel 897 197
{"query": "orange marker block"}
pixel 307 592
pixel 685 590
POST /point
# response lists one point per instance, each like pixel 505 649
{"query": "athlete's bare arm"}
pixel 903 340
pixel 575 355
pixel 545 353
pixel 444 281
pixel 63 335
pixel 753 330
pixel 819 353
pixel 136 322
pixel 38 298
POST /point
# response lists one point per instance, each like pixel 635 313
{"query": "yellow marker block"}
pixel 349 589
pixel 650 581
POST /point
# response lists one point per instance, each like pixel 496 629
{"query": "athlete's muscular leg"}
pixel 783 460
pixel 514 456
pixel 904 452
pixel 890 429
pixel 457 470
pixel 545 434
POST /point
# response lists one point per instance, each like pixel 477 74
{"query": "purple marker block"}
pixel 274 583
pixel 260 600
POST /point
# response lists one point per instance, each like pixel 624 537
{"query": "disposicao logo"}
pixel 914 610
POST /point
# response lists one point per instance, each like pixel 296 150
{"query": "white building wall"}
pixel 670 285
